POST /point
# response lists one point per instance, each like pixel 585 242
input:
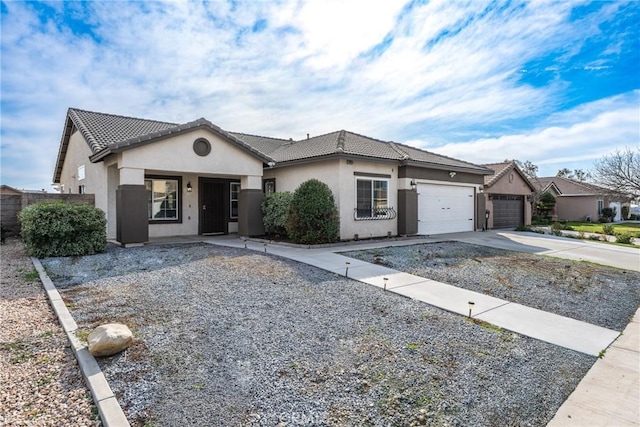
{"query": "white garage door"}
pixel 444 209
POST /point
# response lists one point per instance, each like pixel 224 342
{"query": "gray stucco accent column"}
pixel 481 206
pixel 407 212
pixel 250 212
pixel 131 214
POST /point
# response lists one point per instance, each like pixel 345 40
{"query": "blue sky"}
pixel 553 82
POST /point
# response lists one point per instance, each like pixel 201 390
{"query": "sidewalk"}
pixel 609 395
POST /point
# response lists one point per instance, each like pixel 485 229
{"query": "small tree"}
pixel 275 210
pixel 313 216
pixel 63 229
pixel 545 204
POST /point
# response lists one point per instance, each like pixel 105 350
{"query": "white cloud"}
pixel 424 72
pixel 597 129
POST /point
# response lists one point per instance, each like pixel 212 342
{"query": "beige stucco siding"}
pixel 340 176
pixel 511 183
pixel 95 181
pixel 576 208
pixel 176 154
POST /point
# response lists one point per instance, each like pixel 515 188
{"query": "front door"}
pixel 212 208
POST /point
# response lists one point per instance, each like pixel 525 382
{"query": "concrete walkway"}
pixel 609 395
pixel 563 331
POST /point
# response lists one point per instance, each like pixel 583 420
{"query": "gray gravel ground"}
pixel 232 337
pixel 603 296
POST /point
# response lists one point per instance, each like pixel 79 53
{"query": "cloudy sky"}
pixel 556 83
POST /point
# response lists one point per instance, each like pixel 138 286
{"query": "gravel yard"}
pixel 603 296
pixel 40 382
pixel 239 338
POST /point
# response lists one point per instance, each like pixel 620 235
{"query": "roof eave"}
pixel 429 165
pixel 139 141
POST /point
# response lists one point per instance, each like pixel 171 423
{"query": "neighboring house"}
pixel 157 179
pixel 581 201
pixel 8 190
pixel 507 196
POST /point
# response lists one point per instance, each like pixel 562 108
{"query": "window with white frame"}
pixel 600 206
pixel 372 197
pixel 162 199
pixel 233 199
pixel 80 172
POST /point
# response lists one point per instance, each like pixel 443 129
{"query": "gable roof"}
pixel 569 187
pixel 108 133
pixel 501 170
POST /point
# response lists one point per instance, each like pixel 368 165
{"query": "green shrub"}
pixel 275 210
pixel 624 237
pixel 313 216
pixel 608 229
pixel 59 229
pixel 556 229
pixel 522 227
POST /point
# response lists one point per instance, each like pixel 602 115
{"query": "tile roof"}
pixel 499 169
pixel 100 129
pixel 109 133
pixel 418 156
pixel 350 143
pixel 570 187
pixel 264 144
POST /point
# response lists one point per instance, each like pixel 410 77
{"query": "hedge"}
pixel 63 229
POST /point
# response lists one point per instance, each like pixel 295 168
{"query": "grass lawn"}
pixel 588 227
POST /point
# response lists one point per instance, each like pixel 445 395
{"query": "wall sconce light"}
pixel 452 174
pixel 189 187
pixel 471 304
pixel 413 184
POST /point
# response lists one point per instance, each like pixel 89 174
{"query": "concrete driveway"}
pixel 560 247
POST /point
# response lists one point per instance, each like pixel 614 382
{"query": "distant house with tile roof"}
pixel 580 201
pixel 155 178
pixel 507 196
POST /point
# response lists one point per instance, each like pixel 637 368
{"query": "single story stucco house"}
pixel 581 201
pixel 507 196
pixel 157 179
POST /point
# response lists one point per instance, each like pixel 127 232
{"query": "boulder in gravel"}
pixel 109 339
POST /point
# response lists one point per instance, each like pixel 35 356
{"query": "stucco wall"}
pixel 338 174
pixel 511 183
pixel 575 208
pixel 176 154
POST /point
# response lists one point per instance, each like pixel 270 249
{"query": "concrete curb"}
pixel 109 409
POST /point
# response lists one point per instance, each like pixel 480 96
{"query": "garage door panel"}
pixel 508 211
pixel 445 209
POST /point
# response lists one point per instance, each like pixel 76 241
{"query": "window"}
pixel 235 192
pixel 372 198
pixel 162 199
pixel 81 189
pixel 269 186
pixel 80 172
pixel 600 206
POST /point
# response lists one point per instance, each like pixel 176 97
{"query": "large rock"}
pixel 109 339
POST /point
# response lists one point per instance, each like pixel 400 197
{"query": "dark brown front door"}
pixel 212 208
